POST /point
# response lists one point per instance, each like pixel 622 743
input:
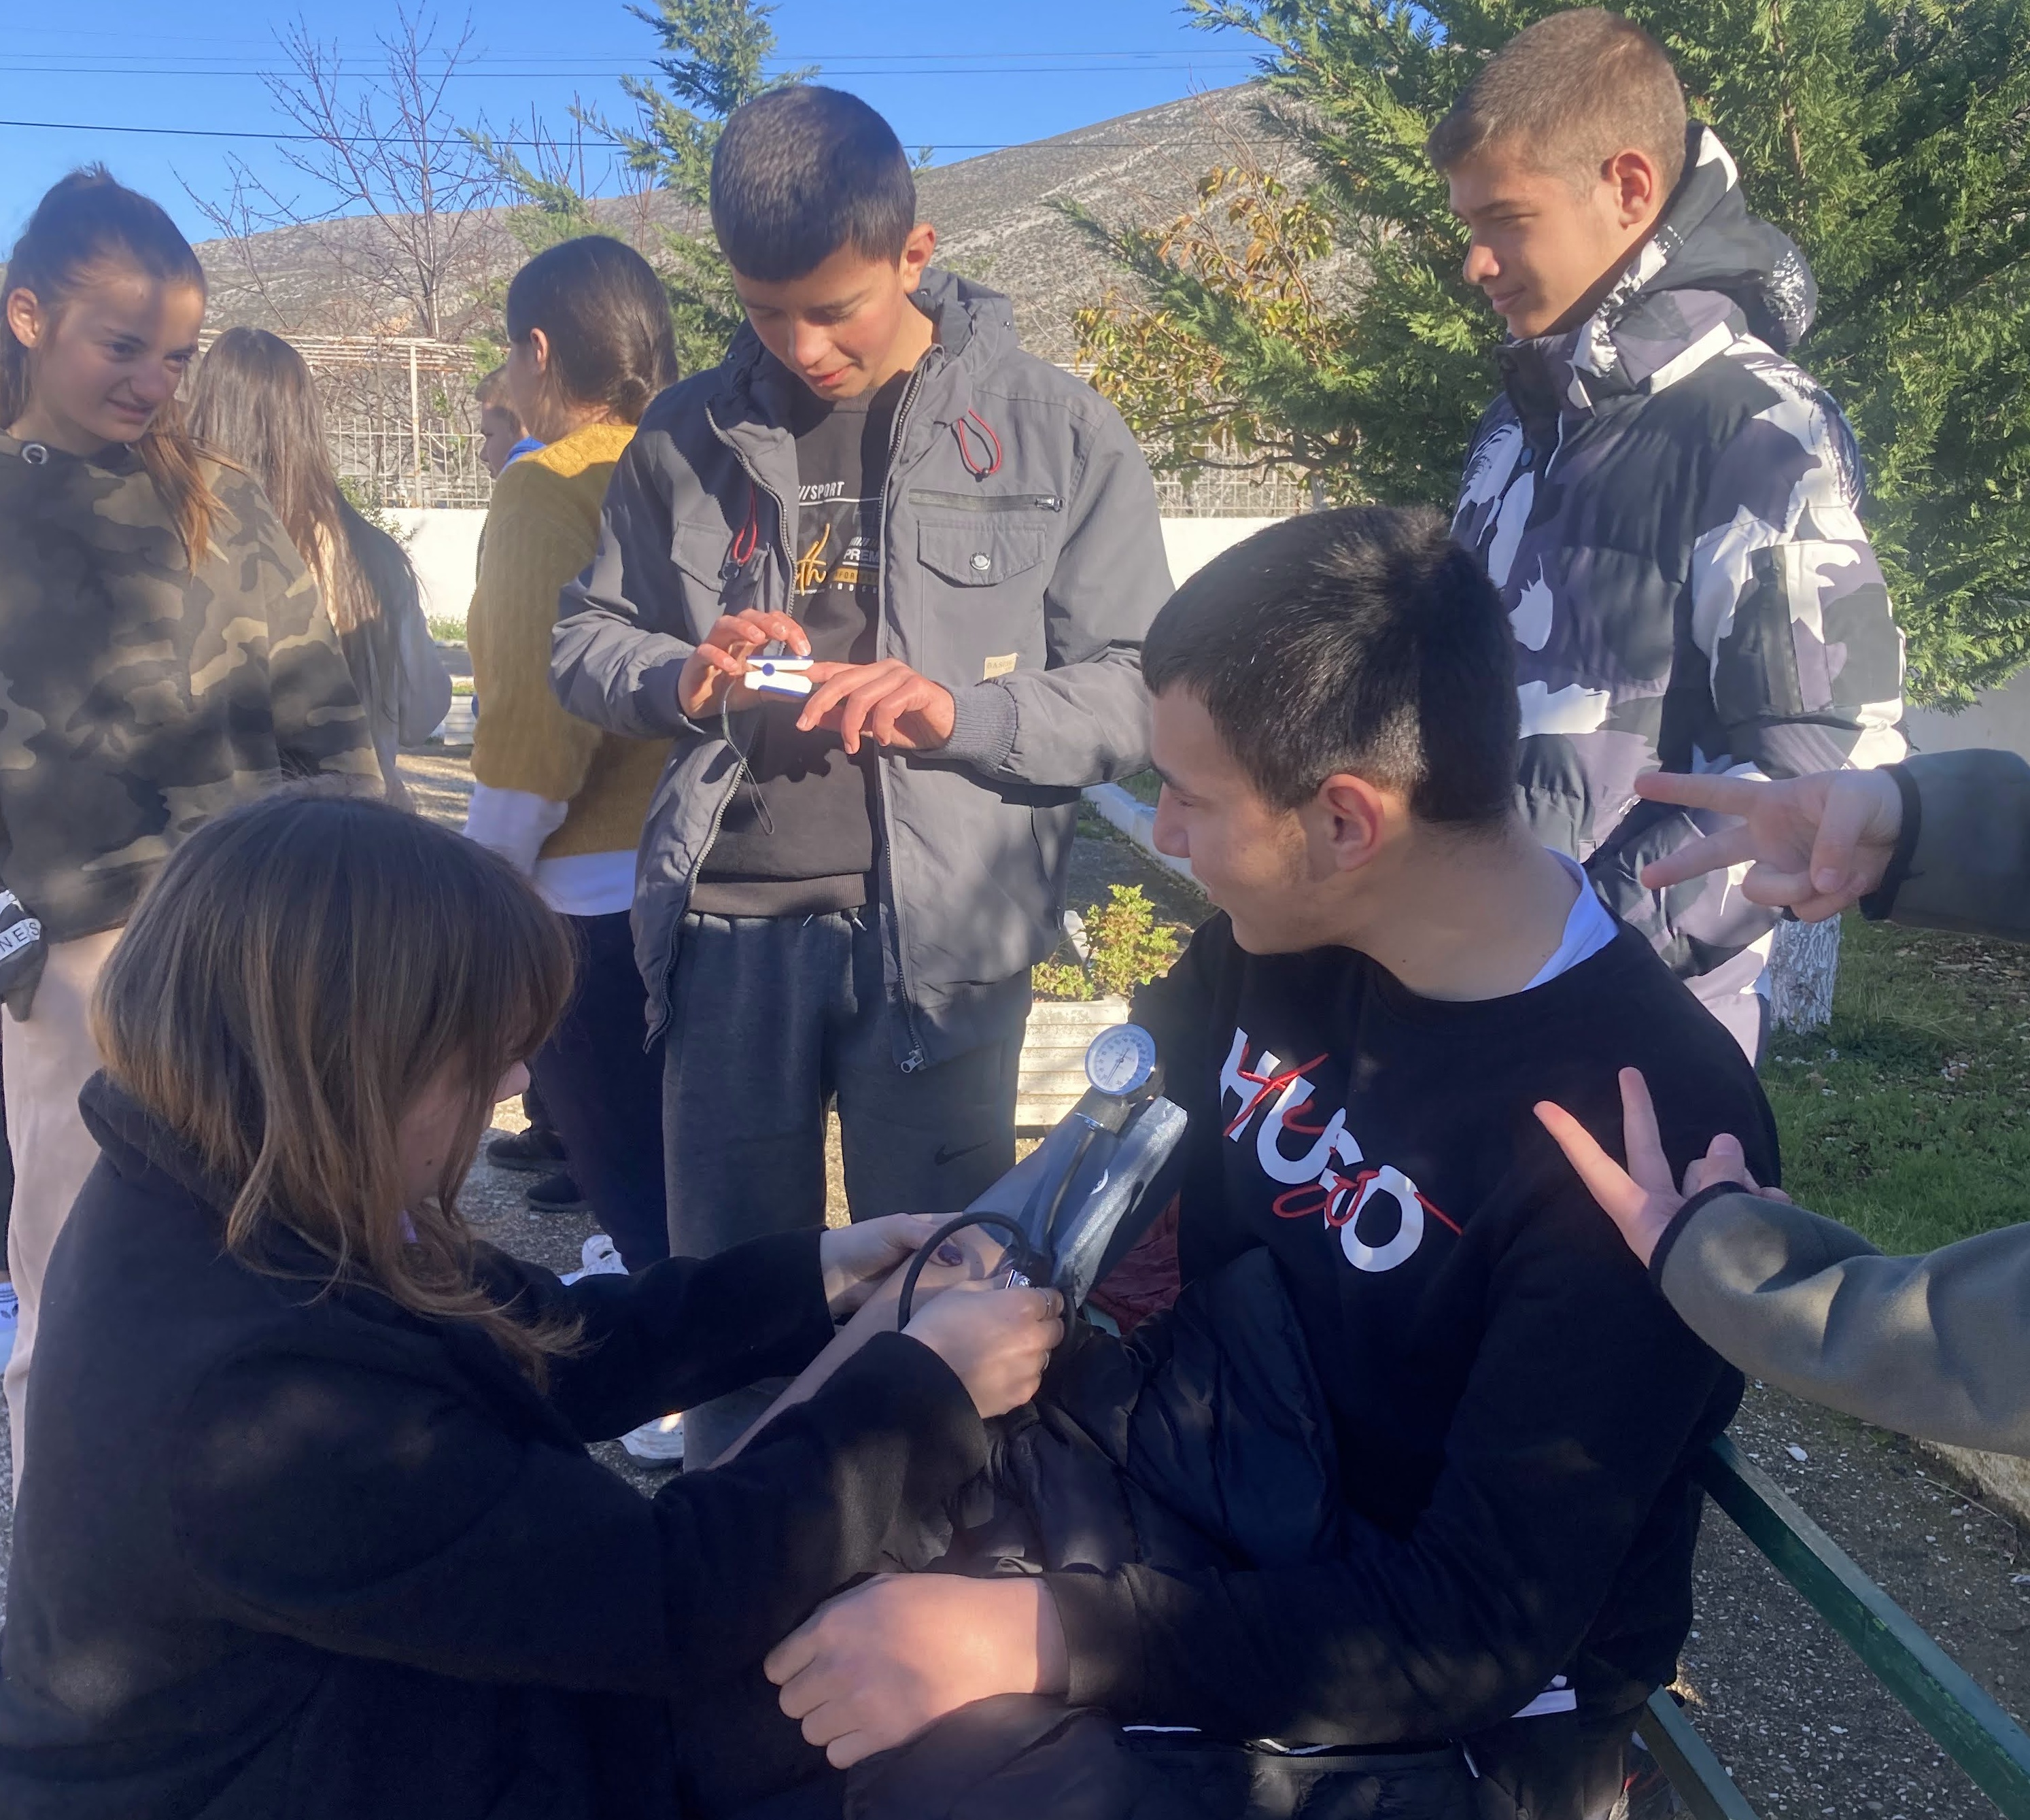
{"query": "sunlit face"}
pixel 500 430
pixel 1249 857
pixel 1543 247
pixel 429 1131
pixel 102 364
pixel 847 325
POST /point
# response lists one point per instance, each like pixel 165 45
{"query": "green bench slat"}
pixel 1976 1733
pixel 1707 1790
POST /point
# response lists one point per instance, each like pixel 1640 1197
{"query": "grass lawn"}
pixel 1907 1119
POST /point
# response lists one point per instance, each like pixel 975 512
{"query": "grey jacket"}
pixel 402 680
pixel 1023 561
pixel 1937 1345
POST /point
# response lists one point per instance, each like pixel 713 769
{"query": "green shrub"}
pixel 1130 948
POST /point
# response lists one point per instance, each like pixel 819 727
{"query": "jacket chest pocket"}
pixel 980 541
pixel 721 570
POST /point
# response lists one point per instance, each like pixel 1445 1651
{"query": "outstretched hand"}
pixel 1818 843
pixel 1642 1200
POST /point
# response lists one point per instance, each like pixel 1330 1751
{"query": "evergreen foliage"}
pixel 714 55
pixel 1890 139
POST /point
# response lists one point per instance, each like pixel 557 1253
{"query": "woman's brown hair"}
pixel 255 404
pixel 607 318
pixel 302 972
pixel 86 223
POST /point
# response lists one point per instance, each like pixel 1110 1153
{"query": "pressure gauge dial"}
pixel 1120 1061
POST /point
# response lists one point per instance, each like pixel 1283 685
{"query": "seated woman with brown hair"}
pixel 355 1559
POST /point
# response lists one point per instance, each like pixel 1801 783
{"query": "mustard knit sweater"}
pixel 540 530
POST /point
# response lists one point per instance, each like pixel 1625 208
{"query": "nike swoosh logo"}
pixel 941 1155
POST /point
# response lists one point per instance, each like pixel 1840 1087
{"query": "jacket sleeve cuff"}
pixel 1681 1219
pixel 1102 1641
pixel 1880 903
pixel 984 723
pixel 513 823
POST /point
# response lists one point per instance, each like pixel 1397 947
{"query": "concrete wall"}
pixel 444 546
pixel 1999 717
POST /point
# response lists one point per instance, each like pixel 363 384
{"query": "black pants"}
pixel 603 1092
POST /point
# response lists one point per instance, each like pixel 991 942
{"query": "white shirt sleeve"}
pixel 513 823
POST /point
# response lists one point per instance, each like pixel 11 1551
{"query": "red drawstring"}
pixel 749 535
pixel 966 452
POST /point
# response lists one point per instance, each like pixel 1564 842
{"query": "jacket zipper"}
pixel 989 502
pixel 914 1060
pixel 727 796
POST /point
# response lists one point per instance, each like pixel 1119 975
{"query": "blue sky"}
pixel 958 77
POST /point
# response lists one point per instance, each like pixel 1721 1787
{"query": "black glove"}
pixel 22 952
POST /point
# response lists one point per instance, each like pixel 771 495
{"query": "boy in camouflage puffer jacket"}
pixel 1668 505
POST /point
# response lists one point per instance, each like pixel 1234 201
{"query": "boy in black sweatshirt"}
pixel 1399 973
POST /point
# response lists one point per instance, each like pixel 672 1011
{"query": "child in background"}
pixel 502 438
pixel 165 652
pixel 589 345
pixel 536 1148
pixel 256 404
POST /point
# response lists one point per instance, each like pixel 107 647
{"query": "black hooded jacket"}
pixel 349 1563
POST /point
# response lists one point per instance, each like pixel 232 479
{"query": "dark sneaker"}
pixel 555 1193
pixel 530 1150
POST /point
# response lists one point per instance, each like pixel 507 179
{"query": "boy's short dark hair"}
pixel 802 171
pixel 1363 641
pixel 1568 94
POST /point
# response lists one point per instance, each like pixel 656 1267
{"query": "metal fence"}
pixel 404 431
pixel 400 414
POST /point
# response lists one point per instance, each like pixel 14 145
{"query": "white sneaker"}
pixel 598 1258
pixel 10 1322
pixel 658 1443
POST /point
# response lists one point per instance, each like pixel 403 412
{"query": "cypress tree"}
pixel 1890 140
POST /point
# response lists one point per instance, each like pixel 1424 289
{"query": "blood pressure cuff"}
pixel 22 952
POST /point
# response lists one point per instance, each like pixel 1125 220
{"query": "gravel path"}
pixel 1784 1702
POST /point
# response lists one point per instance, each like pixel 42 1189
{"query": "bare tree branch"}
pixel 387 146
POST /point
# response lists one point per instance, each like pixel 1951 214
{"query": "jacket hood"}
pixel 974 326
pixel 1709 271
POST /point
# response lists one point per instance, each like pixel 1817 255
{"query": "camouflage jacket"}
pixel 137 701
pixel 1670 508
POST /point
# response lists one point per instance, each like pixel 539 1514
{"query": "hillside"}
pixel 995 215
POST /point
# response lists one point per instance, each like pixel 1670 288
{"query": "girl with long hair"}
pixel 589 345
pixel 163 652
pixel 355 1559
pixel 255 404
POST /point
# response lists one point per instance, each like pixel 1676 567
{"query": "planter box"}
pixel 456 729
pixel 1051 1074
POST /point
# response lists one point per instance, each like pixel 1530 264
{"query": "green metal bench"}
pixel 1974 1731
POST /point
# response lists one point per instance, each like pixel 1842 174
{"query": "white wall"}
pixel 443 544
pixel 1998 717
pixel 1191 543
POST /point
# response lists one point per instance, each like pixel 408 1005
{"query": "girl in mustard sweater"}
pixel 589 345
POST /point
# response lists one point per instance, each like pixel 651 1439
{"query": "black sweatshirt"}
pixel 350 1563
pixel 1515 1405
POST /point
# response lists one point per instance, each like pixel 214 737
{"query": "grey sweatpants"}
pixel 773 1019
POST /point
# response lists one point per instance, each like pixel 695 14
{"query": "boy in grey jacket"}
pixel 839 893
pixel 1937 1345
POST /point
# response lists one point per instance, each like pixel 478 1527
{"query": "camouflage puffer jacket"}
pixel 1670 508
pixel 137 701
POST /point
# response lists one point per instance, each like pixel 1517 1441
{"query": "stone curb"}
pixel 1138 821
